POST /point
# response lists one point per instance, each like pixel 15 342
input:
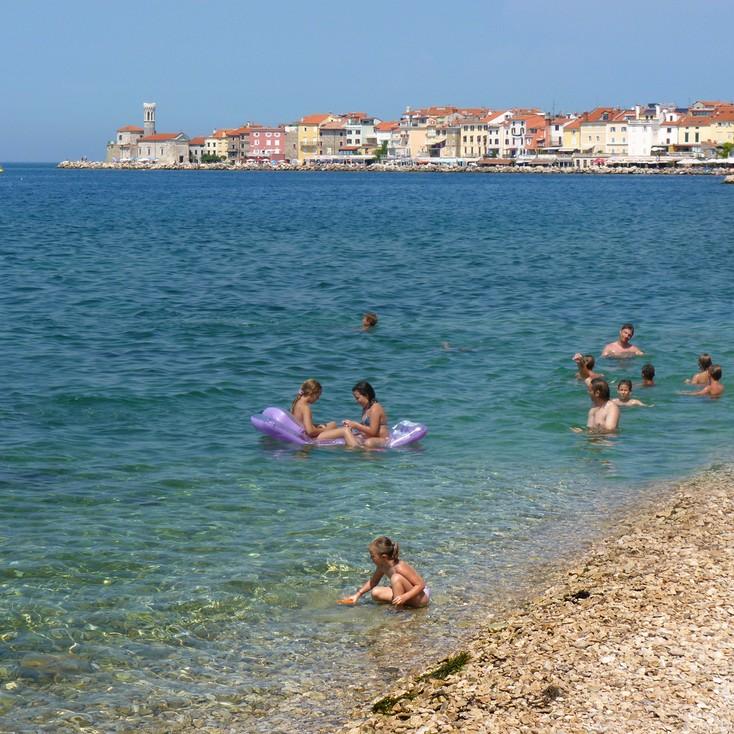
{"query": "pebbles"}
pixel 638 637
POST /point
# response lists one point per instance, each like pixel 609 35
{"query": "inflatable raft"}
pixel 279 424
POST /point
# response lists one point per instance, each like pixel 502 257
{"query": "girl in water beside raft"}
pixel 407 588
pixel 371 432
pixel 308 394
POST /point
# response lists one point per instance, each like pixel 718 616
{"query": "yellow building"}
pixel 308 134
pixel 216 144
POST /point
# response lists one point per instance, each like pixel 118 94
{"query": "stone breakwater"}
pixel 638 636
pixel 387 167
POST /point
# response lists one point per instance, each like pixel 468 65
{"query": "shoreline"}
pixel 726 171
pixel 636 635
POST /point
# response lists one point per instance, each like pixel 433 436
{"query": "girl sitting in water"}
pixel 702 377
pixel 407 588
pixel 371 432
pixel 307 395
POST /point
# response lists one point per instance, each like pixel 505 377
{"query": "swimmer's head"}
pixel 705 361
pixel 589 361
pixel 311 390
pixel 365 390
pixel 626 332
pixel 369 320
pixel 624 389
pixel 599 389
pixel 383 546
pixel 648 372
pixel 715 372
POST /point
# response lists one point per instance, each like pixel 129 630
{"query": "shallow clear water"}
pixel 157 551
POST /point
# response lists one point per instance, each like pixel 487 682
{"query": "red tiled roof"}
pixel 159 137
pixel 336 125
pixel 314 119
pixel 130 129
pixel 197 141
pixel 387 127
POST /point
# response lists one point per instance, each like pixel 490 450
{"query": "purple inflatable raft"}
pixel 279 424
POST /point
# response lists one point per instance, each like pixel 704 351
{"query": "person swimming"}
pixel 714 389
pixel 702 377
pixel 369 320
pixel 622 347
pixel 624 396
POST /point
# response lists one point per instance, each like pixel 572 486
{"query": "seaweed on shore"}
pixel 448 667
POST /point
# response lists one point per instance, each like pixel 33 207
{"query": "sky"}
pixel 73 72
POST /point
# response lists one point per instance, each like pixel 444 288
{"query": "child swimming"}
pixel 372 431
pixel 369 320
pixel 648 375
pixel 585 364
pixel 714 389
pixel 624 393
pixel 407 588
pixel 702 377
pixel 308 394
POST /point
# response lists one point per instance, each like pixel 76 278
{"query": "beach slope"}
pixel 637 637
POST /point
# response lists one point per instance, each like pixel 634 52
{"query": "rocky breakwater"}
pixel 729 180
pixel 637 637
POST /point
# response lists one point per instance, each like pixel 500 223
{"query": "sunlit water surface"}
pixel 158 554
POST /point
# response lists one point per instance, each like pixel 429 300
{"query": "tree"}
pixel 726 150
pixel 381 152
pixel 211 158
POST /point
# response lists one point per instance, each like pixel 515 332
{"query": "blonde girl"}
pixel 308 394
pixel 407 588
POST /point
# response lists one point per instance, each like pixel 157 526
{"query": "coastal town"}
pixel 653 136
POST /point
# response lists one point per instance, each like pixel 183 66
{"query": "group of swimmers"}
pixel 406 586
pixel 604 412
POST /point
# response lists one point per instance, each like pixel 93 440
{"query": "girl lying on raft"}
pixel 371 432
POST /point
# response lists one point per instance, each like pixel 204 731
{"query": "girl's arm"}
pixel 366 586
pixel 307 421
pixel 413 577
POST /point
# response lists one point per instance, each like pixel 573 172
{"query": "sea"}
pixel 163 562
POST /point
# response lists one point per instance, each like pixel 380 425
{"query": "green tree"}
pixel 726 150
pixel 211 158
pixel 381 152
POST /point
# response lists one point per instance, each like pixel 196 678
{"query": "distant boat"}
pixel 2 170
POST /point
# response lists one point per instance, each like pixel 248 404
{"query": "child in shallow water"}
pixel 308 394
pixel 369 320
pixel 714 389
pixel 407 588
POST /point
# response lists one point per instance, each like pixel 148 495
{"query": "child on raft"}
pixel 308 394
pixel 407 588
pixel 371 432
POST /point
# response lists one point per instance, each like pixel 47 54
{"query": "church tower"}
pixel 149 118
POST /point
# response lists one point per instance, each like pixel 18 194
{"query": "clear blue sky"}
pixel 73 71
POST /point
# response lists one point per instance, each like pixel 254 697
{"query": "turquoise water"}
pixel 160 556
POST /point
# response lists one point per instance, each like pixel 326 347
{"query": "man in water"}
pixel 622 347
pixel 604 413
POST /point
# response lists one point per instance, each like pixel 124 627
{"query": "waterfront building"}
pixel 332 137
pixel 383 132
pixel 196 149
pixel 164 148
pixel 125 145
pixel 266 144
pixel 308 134
pixel 216 144
pixel 291 142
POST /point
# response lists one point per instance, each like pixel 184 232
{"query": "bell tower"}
pixel 149 118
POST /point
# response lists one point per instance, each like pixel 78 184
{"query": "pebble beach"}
pixel 638 635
